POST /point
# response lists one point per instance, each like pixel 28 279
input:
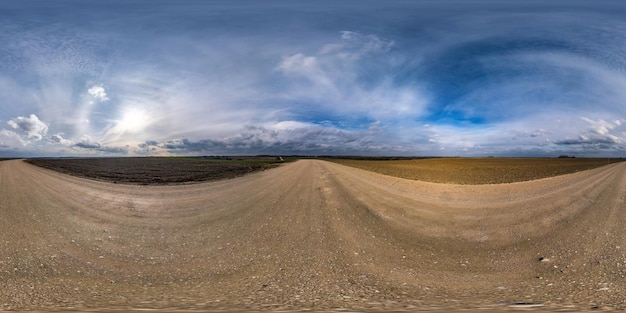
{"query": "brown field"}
pixel 477 171
pixel 312 235
pixel 157 171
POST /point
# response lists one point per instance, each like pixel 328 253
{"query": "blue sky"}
pixel 436 78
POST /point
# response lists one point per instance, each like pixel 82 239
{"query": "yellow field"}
pixel 477 171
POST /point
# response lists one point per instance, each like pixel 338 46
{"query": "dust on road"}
pixel 312 235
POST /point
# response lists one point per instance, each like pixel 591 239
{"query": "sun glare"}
pixel 133 120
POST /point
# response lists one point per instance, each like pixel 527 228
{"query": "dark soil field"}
pixel 477 171
pixel 158 171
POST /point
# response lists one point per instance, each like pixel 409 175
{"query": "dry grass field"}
pixel 313 235
pixel 476 171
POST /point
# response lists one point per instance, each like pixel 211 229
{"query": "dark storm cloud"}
pixel 93 146
pixel 87 145
pixel 309 140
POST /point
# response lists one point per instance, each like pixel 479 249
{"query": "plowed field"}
pixel 157 171
pixel 476 171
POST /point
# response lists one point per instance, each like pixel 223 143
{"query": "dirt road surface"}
pixel 312 235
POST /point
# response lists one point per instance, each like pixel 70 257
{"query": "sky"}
pixel 403 78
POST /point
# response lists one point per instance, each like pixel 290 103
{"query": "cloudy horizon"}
pixel 402 78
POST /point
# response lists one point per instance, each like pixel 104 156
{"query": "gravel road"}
pixel 312 235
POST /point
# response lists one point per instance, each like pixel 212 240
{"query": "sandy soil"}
pixel 312 235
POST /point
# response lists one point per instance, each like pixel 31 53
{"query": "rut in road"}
pixel 311 234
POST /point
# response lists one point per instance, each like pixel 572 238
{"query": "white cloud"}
pixel 598 135
pixel 344 78
pixel 361 44
pixel 601 127
pixel 58 138
pixel 34 127
pixel 298 64
pixel 98 93
pixel 287 125
pixel 308 67
pixel 10 139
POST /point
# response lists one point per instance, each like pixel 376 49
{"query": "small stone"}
pixel 521 305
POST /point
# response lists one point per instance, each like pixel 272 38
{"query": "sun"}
pixel 133 120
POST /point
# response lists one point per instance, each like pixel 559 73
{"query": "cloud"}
pixel 338 79
pixel 114 150
pixel 34 127
pixel 537 133
pixel 348 77
pixel 58 138
pixel 98 93
pixel 358 44
pixel 603 143
pixel 150 147
pixel 283 138
pixel 10 139
pixel 148 143
pixel 88 144
pixel 599 135
pixel 299 64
